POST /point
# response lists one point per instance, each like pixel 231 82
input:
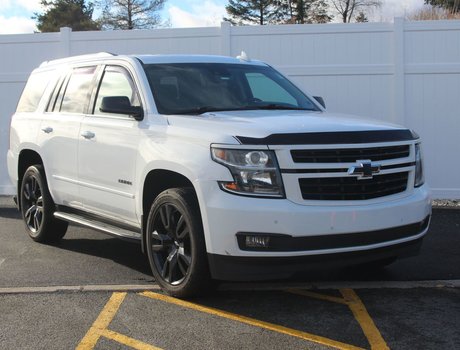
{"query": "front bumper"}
pixel 225 215
pixel 234 268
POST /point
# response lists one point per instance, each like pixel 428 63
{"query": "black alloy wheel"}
pixel 171 246
pixel 175 243
pixel 37 207
pixel 32 203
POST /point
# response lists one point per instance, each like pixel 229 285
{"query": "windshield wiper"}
pixel 201 110
pixel 280 106
pixel 273 106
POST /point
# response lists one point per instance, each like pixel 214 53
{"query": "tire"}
pixel 37 207
pixel 175 244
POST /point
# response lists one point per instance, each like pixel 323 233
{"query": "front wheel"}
pixel 37 207
pixel 175 244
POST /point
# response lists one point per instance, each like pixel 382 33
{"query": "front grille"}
pixel 350 188
pixel 349 155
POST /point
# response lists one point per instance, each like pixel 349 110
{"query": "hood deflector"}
pixel 326 138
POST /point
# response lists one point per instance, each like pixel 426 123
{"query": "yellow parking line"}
pixel 100 328
pixel 368 326
pixel 319 296
pixel 102 322
pixel 250 321
pixel 123 339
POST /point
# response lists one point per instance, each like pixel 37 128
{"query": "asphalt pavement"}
pixel 92 291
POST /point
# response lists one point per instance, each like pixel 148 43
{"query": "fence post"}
pixel 226 37
pixel 64 50
pixel 399 78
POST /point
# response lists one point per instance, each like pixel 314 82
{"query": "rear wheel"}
pixel 37 207
pixel 175 244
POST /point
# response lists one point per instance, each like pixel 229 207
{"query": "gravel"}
pixel 446 203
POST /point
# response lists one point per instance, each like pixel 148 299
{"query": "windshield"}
pixel 196 88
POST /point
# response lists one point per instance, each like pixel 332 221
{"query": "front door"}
pixel 107 152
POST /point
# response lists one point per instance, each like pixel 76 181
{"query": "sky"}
pixel 15 15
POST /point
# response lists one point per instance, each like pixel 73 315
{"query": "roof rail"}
pixel 78 58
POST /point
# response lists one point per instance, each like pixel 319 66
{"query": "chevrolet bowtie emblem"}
pixel 364 169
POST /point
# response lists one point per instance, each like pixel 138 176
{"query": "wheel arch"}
pixel 157 181
pixel 26 158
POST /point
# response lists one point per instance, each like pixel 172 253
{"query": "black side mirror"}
pixel 320 100
pixel 121 105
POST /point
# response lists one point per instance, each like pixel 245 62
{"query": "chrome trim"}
pixel 96 187
pixel 364 169
pixel 106 228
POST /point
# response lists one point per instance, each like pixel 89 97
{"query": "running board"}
pixel 97 225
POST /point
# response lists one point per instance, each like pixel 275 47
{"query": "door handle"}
pixel 88 135
pixel 47 130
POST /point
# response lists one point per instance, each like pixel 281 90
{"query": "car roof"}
pixel 155 59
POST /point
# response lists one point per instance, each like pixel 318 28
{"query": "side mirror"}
pixel 320 101
pixel 121 105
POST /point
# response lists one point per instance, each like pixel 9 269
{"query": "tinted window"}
pixel 34 90
pixel 116 82
pixel 194 88
pixel 77 92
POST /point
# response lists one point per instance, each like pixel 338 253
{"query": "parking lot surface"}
pixel 92 291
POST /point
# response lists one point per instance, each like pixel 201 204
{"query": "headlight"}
pixel 255 172
pixel 419 177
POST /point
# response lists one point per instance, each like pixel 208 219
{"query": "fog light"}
pixel 257 241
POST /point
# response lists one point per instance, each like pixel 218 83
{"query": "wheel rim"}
pixel 170 244
pixel 32 203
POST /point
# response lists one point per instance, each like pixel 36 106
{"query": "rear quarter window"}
pixel 78 90
pixel 33 91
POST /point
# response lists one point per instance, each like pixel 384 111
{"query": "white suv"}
pixel 222 168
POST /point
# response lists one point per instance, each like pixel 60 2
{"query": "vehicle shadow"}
pixel 122 252
pixel 9 213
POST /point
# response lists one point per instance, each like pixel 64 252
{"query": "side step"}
pixel 100 226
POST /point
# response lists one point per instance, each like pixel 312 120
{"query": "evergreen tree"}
pixel 131 14
pixel 309 11
pixel 75 14
pixel 252 12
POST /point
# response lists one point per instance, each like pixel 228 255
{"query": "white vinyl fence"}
pixel 402 72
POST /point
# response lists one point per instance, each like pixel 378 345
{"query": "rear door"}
pixel 59 132
pixel 108 148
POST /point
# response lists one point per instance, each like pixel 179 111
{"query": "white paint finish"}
pixel 357 68
pixel 106 160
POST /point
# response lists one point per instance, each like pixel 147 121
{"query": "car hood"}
pixel 262 123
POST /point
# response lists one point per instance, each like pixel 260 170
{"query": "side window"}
pixel 33 91
pixel 267 90
pixel 76 96
pixel 116 81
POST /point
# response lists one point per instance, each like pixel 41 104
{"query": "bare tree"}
pixel 347 8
